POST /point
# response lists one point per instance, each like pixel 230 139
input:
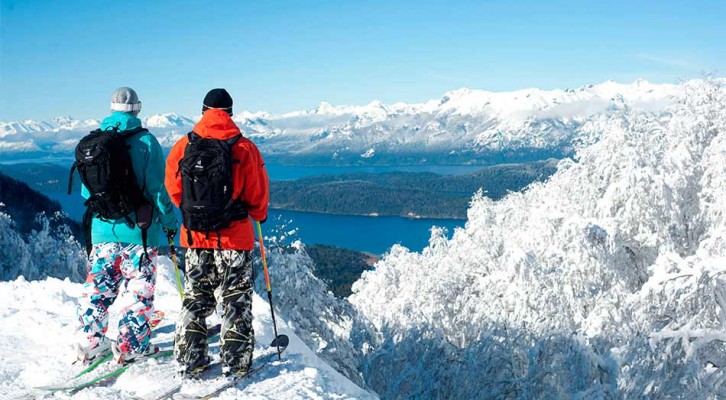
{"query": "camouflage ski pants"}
pixel 109 265
pixel 207 270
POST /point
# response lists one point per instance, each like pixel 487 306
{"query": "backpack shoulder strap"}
pixel 74 167
pixel 193 136
pixel 230 144
pixel 132 132
pixel 233 140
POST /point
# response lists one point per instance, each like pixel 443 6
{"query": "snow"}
pixel 19 146
pixel 369 153
pixel 37 328
pixel 44 252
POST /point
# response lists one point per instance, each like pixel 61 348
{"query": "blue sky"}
pixel 66 57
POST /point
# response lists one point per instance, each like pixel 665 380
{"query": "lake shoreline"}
pixel 373 215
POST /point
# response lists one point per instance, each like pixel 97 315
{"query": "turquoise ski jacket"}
pixel 148 162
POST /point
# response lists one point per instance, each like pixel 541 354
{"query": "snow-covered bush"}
pixel 328 325
pixel 41 253
pixel 606 281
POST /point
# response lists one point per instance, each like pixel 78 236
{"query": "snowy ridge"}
pixel 463 126
pixel 606 281
pixel 54 125
pixel 169 120
pixel 37 330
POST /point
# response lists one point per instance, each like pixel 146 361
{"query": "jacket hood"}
pixel 216 124
pixel 124 121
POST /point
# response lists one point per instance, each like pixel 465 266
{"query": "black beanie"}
pixel 219 99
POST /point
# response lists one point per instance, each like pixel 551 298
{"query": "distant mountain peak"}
pixel 325 108
pixel 63 119
pixel 167 120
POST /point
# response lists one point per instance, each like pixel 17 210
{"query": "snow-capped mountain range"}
pixel 463 126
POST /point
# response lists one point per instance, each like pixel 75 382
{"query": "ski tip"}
pixel 280 341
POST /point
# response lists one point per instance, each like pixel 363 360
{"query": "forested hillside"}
pixel 43 177
pixel 24 204
pixel 405 194
pixel 339 268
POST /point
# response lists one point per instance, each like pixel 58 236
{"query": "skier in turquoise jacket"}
pixel 118 258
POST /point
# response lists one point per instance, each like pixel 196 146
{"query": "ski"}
pixel 230 382
pixel 94 365
pixel 114 373
pixel 280 343
pixel 212 333
pixel 154 321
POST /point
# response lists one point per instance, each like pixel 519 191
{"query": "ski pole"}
pixel 269 288
pixel 176 267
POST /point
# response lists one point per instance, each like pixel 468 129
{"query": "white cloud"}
pixel 677 62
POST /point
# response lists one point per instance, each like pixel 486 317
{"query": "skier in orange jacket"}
pixel 218 179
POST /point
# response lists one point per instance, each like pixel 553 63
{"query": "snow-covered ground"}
pixel 37 327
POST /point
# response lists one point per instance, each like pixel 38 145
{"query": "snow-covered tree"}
pixel 41 253
pixel 606 281
pixel 328 325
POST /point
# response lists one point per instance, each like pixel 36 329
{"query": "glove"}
pixel 170 233
pixel 263 221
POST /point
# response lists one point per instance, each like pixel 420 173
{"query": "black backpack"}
pixel 104 165
pixel 207 204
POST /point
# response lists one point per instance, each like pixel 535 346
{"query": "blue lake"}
pixel 370 234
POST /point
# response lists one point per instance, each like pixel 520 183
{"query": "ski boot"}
pixel 125 358
pixel 231 372
pixel 85 355
pixel 195 369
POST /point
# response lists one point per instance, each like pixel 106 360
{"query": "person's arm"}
pixel 256 191
pixel 154 184
pixel 173 180
pixel 84 192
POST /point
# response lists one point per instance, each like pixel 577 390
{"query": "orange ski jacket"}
pixel 249 179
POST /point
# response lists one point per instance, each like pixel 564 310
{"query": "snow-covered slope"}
pixel 36 329
pixel 606 281
pixel 463 126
